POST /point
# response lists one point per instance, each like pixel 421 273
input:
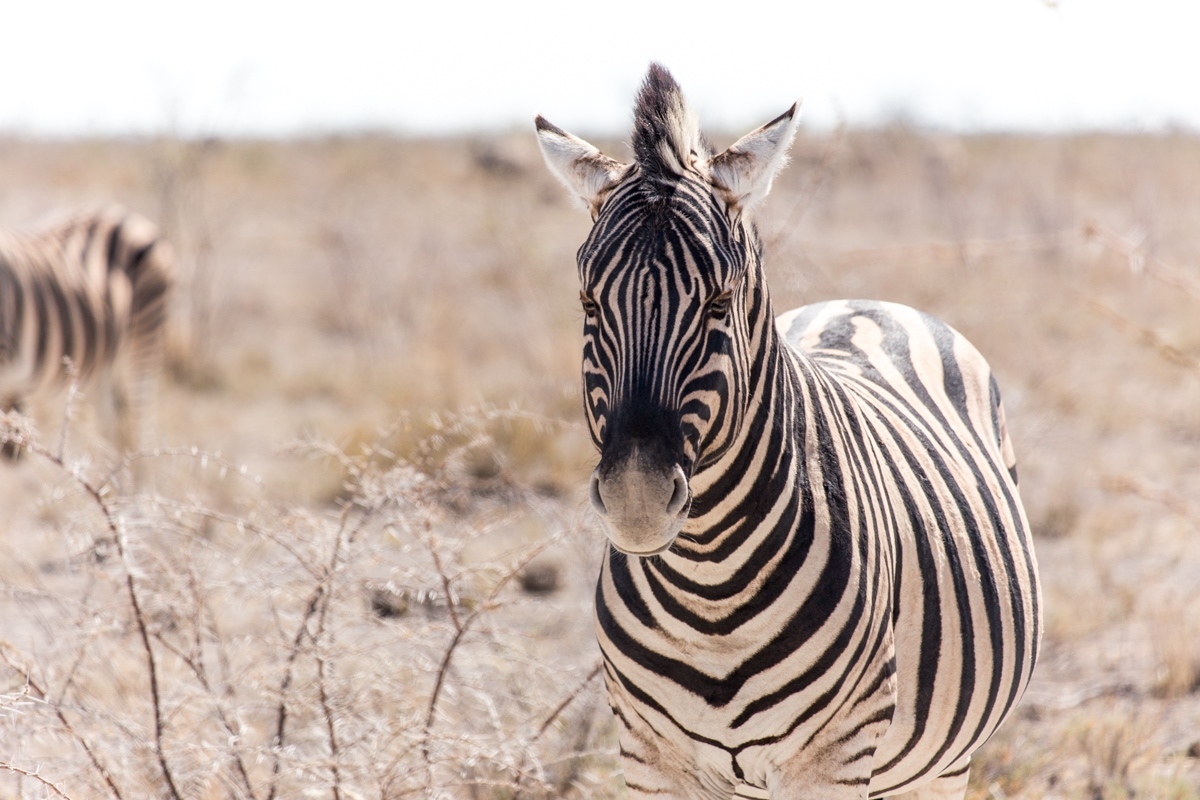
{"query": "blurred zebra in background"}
pixel 86 298
pixel 820 583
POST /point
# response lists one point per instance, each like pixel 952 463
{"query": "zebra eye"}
pixel 718 306
pixel 589 305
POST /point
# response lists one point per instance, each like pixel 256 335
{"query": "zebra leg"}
pixel 950 785
pixel 818 781
pixel 128 398
pixel 650 772
pixel 109 396
pixel 655 768
pixel 644 781
pixel 10 451
pixel 838 763
pixel 838 770
pixel 123 408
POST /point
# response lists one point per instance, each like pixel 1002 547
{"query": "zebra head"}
pixel 674 302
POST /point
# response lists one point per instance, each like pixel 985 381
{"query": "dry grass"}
pixel 406 309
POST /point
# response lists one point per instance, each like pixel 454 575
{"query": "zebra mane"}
pixel 666 132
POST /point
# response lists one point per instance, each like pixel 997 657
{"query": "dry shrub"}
pixel 194 652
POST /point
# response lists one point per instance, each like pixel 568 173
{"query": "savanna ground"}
pixel 361 565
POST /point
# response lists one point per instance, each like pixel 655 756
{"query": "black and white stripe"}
pixel 821 582
pixel 92 289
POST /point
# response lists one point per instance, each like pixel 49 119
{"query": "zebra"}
pixel 819 580
pixel 85 298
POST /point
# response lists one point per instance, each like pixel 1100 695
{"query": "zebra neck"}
pixel 750 491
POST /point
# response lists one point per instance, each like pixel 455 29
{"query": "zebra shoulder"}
pixel 907 353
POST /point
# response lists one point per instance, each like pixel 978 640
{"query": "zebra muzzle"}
pixel 643 508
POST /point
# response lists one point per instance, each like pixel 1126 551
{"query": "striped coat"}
pixel 93 289
pixel 820 580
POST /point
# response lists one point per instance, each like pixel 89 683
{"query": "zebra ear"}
pixel 744 172
pixel 586 172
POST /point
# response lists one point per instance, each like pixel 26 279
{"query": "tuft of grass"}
pixel 1007 766
pixel 1175 639
pixel 1112 748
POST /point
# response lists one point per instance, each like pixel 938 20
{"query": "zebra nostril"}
pixel 679 497
pixel 594 493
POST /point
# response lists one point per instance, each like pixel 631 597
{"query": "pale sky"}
pixel 276 67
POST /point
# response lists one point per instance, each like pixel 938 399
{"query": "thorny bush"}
pixel 380 648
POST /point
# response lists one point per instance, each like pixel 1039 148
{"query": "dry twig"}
pixel 10 658
pixel 1139 261
pixel 98 492
pixel 36 776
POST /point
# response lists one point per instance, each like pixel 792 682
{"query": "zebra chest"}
pixel 741 658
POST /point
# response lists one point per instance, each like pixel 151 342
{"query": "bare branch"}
pixel 10 658
pixel 198 671
pixel 116 532
pixel 281 710
pixel 1145 336
pixel 460 632
pixel 323 695
pixel 568 700
pixel 1139 261
pixel 1175 503
pixel 37 777
pixel 431 544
